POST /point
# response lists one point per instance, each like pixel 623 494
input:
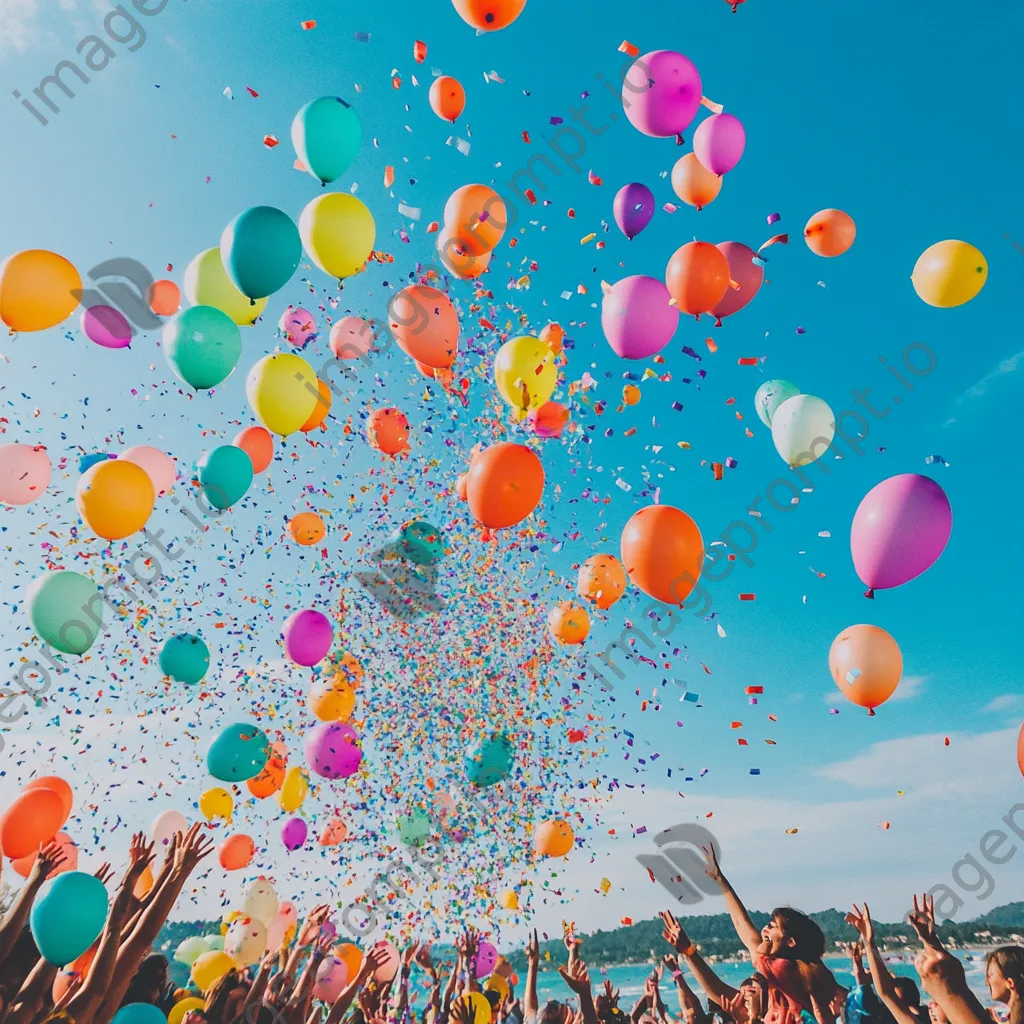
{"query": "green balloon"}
pixel 420 542
pixel 326 134
pixel 414 829
pixel 63 609
pixel 261 249
pixel 68 916
pixel 185 658
pixel 770 395
pixel 489 760
pixel 203 345
pixel 225 474
pixel 238 753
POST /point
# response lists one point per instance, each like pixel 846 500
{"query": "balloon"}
pixel 415 827
pixel 630 394
pixel 24 865
pixel 246 940
pixel 387 430
pixel 663 553
pixel 216 942
pixel 553 335
pixel 210 967
pixel 697 276
pixel 185 658
pixel 203 345
pixel 207 284
pixel 331 979
pixel 326 134
pixel 261 249
pixel 238 753
pixel 189 950
pixel 350 956
pixel 770 395
pixel 320 410
pixel 525 374
pixel 742 270
pixel 509 899
pixel 489 760
pixel 69 975
pixel 425 325
pixel 293 833
pixel 476 217
pixel 306 528
pixel 236 852
pixel 485 959
pixel 60 608
pixel 506 482
pixel 33 819
pixel 106 326
pixel 802 428
pixel 57 785
pixel 283 391
pixel 307 636
pixel 183 1006
pixel 347 669
pixel 866 665
pixel 489 15
pixel 333 750
pixel 334 832
pixel 462 486
pixel 549 420
pixel 225 475
pixel 115 499
pixel 387 971
pixel 1020 750
pixel 633 208
pixel 139 1013
pixel 830 232
pixel 458 260
pixel 298 326
pixel 602 580
pixel 636 317
pixel 24 473
pixel 164 298
pixel 338 233
pixel 478 1005
pixel 352 337
pixel 554 838
pixel 158 466
pixel 661 93
pixel 447 98
pixel 258 444
pixel 496 983
pixel 694 183
pixel 949 273
pixel 294 789
pixel 67 915
pixel 217 802
pixel 38 289
pixel 419 542
pixel 569 623
pixel 331 701
pixel 899 530
pixel 271 775
pixel 718 142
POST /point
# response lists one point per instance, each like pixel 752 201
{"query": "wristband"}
pixel 677 974
pixel 689 951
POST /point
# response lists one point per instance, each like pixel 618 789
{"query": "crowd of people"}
pixel 789 981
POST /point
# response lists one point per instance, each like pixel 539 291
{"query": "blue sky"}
pixel 902 115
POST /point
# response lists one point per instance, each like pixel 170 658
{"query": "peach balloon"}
pixel 320 410
pixel 458 260
pixel 489 15
pixel 663 553
pixel 23 865
pixel 602 580
pixel 236 852
pixel 334 832
pixel 143 883
pixel 164 298
pixel 388 431
pixel 553 838
pixel 476 216
pixel 694 183
pixel 30 821
pixel 569 623
pixel 830 232
pixel 425 325
pixel 506 482
pixel 697 277
pixel 24 473
pixel 447 98
pixel 462 487
pixel 866 665
pixel 352 337
pixel 158 465
pixel 306 528
pixel 258 444
pixel 549 420
pixel 79 968
pixel 553 335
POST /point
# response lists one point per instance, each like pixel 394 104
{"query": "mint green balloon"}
pixel 203 345
pixel 185 658
pixel 59 607
pixel 326 134
pixel 238 753
pixel 225 474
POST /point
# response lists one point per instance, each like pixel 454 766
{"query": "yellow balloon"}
pixel 217 803
pixel 283 391
pixel 228 919
pixel 210 968
pixel 207 284
pixel 293 789
pixel 496 983
pixel 525 372
pixel 509 899
pixel 478 1004
pixel 338 232
pixel 115 498
pixel 180 1008
pixel 37 290
pixel 949 273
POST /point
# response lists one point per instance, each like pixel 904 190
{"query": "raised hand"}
pixel 922 920
pixel 576 977
pixel 462 1011
pixel 409 954
pixel 140 855
pixel 192 848
pixel 533 949
pixel 104 872
pixel 377 956
pixel 673 932
pixel 711 868
pixel 860 918
pixel 941 974
pixel 50 857
pixel 311 926
pixel 671 963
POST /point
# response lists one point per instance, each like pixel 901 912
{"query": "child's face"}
pixel 773 938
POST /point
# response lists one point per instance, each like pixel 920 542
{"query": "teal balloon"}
pixel 185 658
pixel 203 345
pixel 68 916
pixel 326 134
pixel 225 474
pixel 489 760
pixel 770 395
pixel 261 249
pixel 139 1013
pixel 420 542
pixel 64 610
pixel 414 828
pixel 238 753
pixel 86 462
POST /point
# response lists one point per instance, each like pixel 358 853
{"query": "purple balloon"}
pixel 486 959
pixel 333 750
pixel 298 326
pixel 106 326
pixel 900 528
pixel 637 318
pixel 661 93
pixel 633 209
pixel 718 143
pixel 747 274
pixel 308 635
pixel 293 833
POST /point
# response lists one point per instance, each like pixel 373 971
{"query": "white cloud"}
pixel 1005 702
pixel 17 24
pixel 910 687
pixel 981 387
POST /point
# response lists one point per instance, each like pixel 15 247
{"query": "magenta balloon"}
pixel 637 318
pixel 747 274
pixel 661 93
pixel 298 326
pixel 633 208
pixel 900 528
pixel 333 750
pixel 293 833
pixel 486 959
pixel 718 143
pixel 106 326
pixel 308 635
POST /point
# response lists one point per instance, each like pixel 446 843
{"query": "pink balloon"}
pixel 107 327
pixel 661 93
pixel 389 968
pixel 637 318
pixel 899 530
pixel 298 326
pixel 333 750
pixel 746 274
pixel 331 979
pixel 718 143
pixel 352 337
pixel 293 833
pixel 158 465
pixel 24 473
pixel 486 959
pixel 308 635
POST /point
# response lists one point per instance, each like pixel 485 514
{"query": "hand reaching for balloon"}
pixel 576 977
pixel 922 920
pixel 312 925
pixel 192 849
pixel 376 957
pixel 711 868
pixel 673 932
pixel 49 858
pixel 861 920
pixel 104 872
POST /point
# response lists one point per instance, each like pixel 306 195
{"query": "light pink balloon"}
pixel 164 826
pixel 389 968
pixel 747 274
pixel 352 337
pixel 718 143
pixel 298 326
pixel 661 93
pixel 24 473
pixel 331 979
pixel 106 326
pixel 637 318
pixel 158 465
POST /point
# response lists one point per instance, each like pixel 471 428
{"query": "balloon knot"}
pixel 679 140
pixel 871 712
pixel 870 593
pixel 252 302
pixel 718 321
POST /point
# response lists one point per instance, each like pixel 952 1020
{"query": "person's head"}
pixel 494 998
pixel 936 1014
pixel 224 999
pixel 909 993
pixel 838 1002
pixel 1004 973
pixel 755 996
pixel 792 935
pixel 554 1012
pixel 149 982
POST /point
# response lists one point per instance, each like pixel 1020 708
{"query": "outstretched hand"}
pixel 576 976
pixel 50 857
pixel 673 932
pixel 860 918
pixel 711 868
pixel 922 920
pixel 533 949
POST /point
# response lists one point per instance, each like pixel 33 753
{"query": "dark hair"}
pixel 808 938
pixel 218 996
pixel 552 1012
pixel 1009 960
pixel 758 979
pixel 149 981
pixel 908 990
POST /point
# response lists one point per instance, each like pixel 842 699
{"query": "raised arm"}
pixel 49 858
pixel 530 1004
pixel 575 975
pixel 748 934
pixel 375 957
pixel 714 987
pixel 943 978
pixel 860 918
pixel 688 1001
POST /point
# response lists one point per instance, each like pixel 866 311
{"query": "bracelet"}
pixel 677 974
pixel 689 951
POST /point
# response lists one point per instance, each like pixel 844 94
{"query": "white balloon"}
pixel 245 941
pixel 802 429
pixel 164 826
pixel 770 395
pixel 260 901
pixel 189 950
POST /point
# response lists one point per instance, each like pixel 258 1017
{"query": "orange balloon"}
pixel 334 832
pixel 425 325
pixel 553 336
pixel 602 580
pixel 350 956
pixel 37 290
pixel 33 819
pixel 320 410
pixel 143 884
pixel 115 498
pixel 59 786
pixel 549 420
pixel 78 968
pixel 258 444
pixel 458 260
pixel 461 487
pixel 830 232
pixel 270 778
pixel 663 553
pixel 697 277
pixel 236 852
pixel 1020 750
pixel 23 865
pixel 694 183
pixel 553 838
pixel 164 298
pixel 866 665
pixel 505 484
pixel 306 528
pixel 569 623
pixel 476 216
pixel 447 98
pixel 348 670
pixel 388 431
pixel 330 701
pixel 489 15
pixel 630 394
